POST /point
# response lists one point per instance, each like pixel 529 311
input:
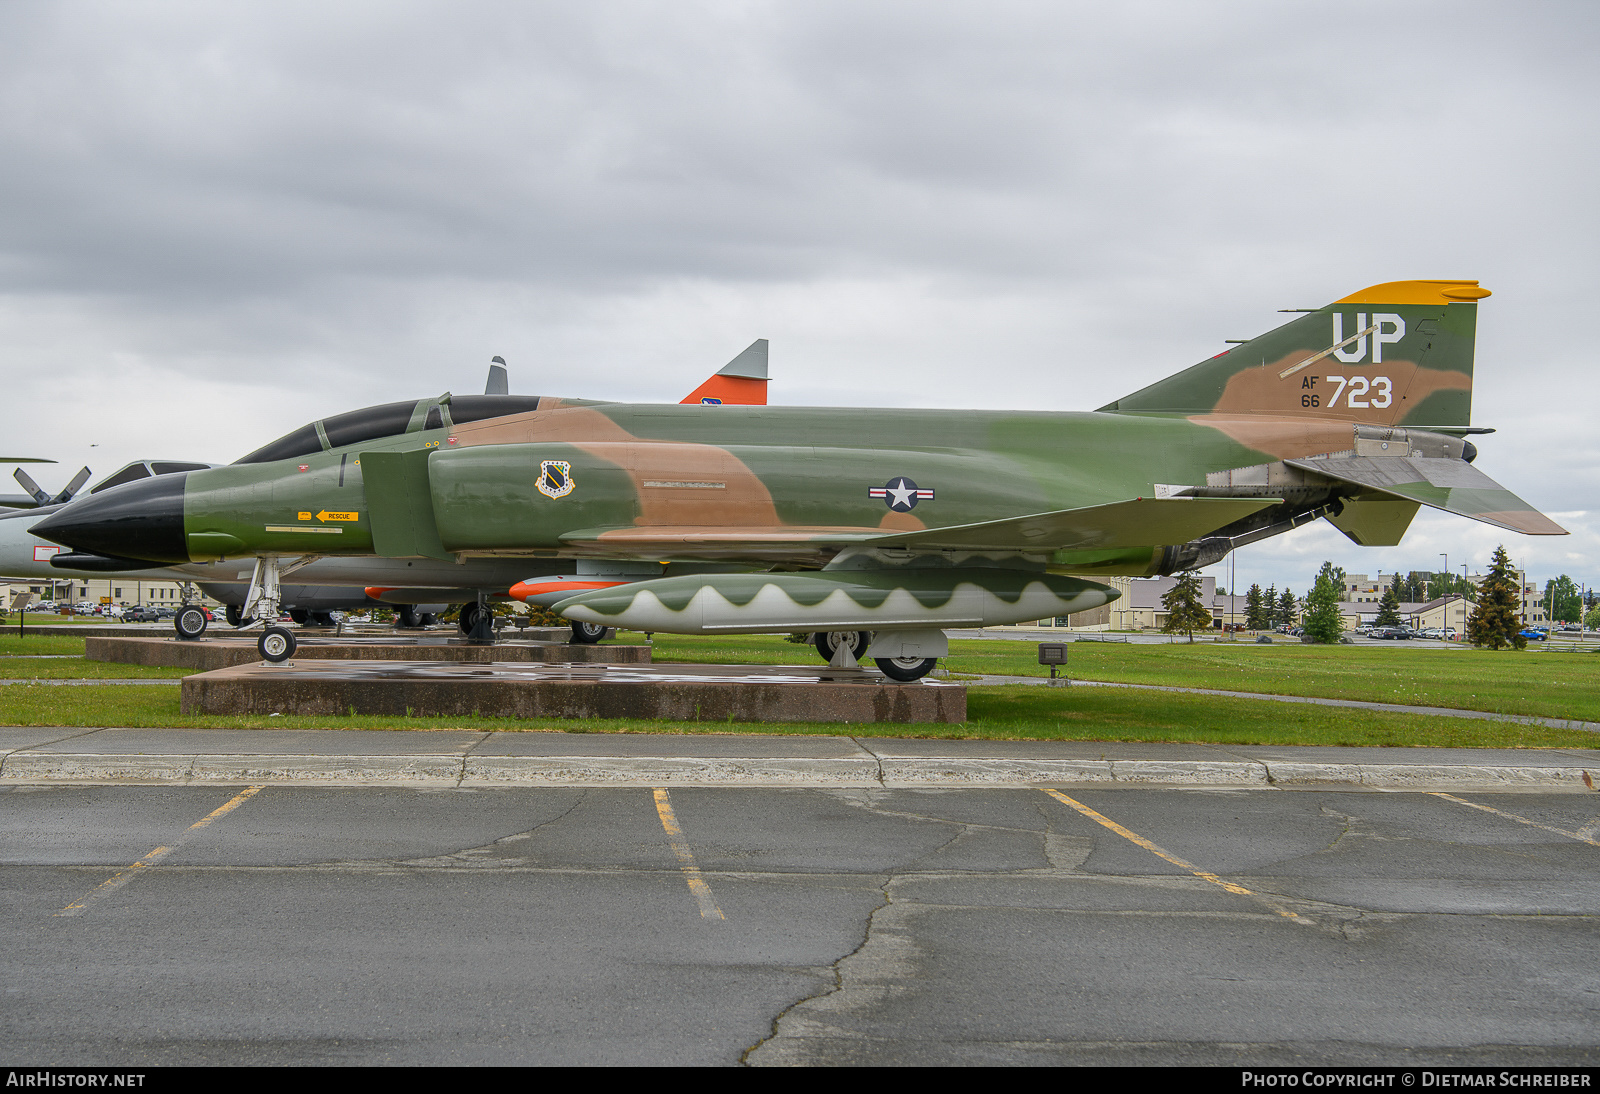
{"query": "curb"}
pixel 844 772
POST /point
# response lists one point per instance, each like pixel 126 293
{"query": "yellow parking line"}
pixel 1205 875
pixel 112 884
pixel 680 847
pixel 1513 816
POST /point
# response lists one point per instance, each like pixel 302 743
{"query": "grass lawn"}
pixel 1550 684
pixel 1544 684
pixel 1017 712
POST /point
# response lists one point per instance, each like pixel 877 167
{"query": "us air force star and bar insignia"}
pixel 555 478
pixel 900 494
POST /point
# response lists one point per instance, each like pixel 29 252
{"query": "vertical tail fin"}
pixel 742 381
pixel 1400 353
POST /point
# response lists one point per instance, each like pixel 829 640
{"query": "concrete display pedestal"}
pixel 239 648
pixel 705 693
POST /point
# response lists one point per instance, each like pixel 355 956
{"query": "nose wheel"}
pixel 276 644
pixel 190 622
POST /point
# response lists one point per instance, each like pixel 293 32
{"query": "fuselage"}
pixel 601 479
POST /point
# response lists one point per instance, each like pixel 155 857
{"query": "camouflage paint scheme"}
pixel 1356 411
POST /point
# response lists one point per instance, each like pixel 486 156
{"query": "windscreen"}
pixel 387 420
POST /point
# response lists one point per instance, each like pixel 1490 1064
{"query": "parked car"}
pixel 140 614
pixel 1532 635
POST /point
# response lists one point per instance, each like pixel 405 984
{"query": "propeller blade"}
pixel 72 487
pixel 30 486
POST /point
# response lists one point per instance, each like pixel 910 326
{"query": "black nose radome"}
pixel 142 520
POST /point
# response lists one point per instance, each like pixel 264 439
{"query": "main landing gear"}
pixel 587 634
pixel 842 649
pixel 905 669
pixel 846 649
pixel 476 622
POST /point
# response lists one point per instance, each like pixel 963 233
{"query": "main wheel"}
pixel 428 619
pixel 190 622
pixel 587 634
pixel 468 618
pixel 828 642
pixel 905 669
pixel 234 614
pixel 300 616
pixel 406 616
pixel 276 644
pixel 322 619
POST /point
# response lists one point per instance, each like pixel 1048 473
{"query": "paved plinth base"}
pixel 240 649
pixel 707 693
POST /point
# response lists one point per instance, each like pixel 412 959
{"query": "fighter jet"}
pixel 895 523
pixel 416 590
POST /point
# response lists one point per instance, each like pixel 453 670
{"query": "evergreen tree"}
pixel 1255 616
pixel 1288 607
pixel 1388 609
pixel 1323 621
pixel 1269 605
pixel 1186 608
pixel 1494 622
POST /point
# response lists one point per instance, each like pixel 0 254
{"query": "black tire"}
pixel 322 619
pixel 587 634
pixel 827 643
pixel 468 618
pixel 427 619
pixel 300 616
pixel 406 616
pixel 190 623
pixel 905 669
pixel 276 644
pixel 234 614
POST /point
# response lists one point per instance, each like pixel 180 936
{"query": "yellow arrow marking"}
pixel 326 516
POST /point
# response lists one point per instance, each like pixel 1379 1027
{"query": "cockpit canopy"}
pixel 388 420
pixel 144 469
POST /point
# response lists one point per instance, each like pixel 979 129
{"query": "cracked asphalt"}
pixel 526 925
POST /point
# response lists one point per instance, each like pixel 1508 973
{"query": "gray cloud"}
pixel 250 215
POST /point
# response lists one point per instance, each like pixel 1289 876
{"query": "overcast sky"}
pixel 219 222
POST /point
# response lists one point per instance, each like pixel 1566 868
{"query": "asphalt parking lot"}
pixel 524 925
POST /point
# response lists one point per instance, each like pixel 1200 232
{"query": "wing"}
pixel 1142 522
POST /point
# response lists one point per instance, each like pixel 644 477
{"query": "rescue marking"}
pixel 325 515
pixel 1512 816
pixel 680 847
pixel 117 881
pixel 1174 859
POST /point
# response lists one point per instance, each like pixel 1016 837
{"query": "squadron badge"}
pixel 555 478
pixel 900 494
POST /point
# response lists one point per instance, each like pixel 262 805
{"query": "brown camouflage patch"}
pixel 1260 390
pixel 1284 439
pixel 697 485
